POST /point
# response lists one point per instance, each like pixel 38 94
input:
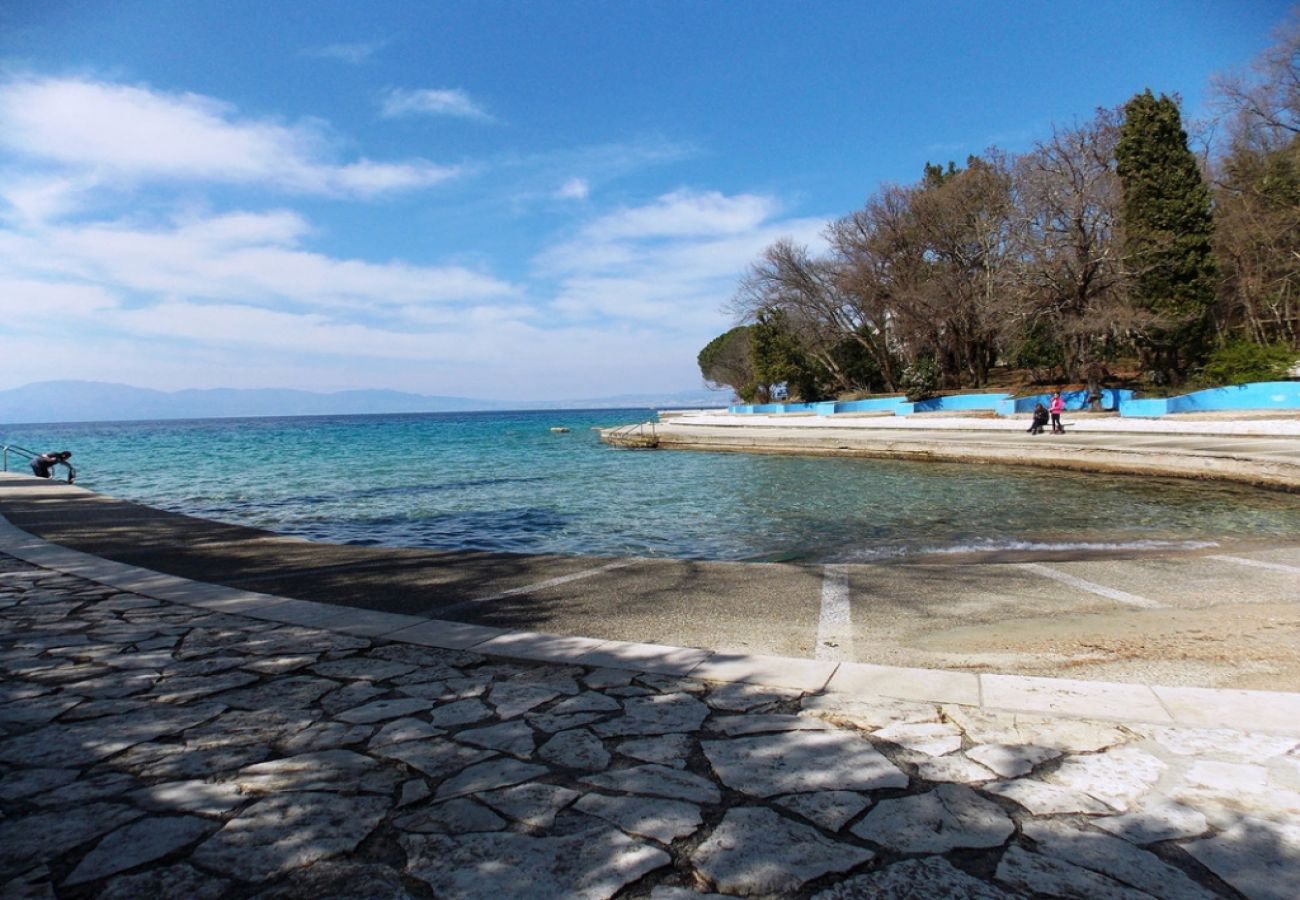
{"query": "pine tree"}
pixel 1167 230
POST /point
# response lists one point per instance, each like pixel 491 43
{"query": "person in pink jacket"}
pixel 1055 408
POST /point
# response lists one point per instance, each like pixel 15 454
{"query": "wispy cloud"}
pixel 573 189
pixel 674 261
pixel 126 132
pixel 398 102
pixel 353 54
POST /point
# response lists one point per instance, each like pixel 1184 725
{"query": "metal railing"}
pixel 32 454
pixel 642 435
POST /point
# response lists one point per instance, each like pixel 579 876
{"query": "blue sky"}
pixel 503 200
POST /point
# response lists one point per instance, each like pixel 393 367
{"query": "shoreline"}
pixel 1220 617
pixel 1262 453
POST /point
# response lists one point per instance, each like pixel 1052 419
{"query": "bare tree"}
pixel 1070 289
pixel 1257 194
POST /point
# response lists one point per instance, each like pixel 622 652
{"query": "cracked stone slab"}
pixel 740 697
pixel 831 810
pixel 460 712
pixel 1257 857
pixel 985 727
pixel 288 831
pixel 928 738
pixel 400 730
pixel 362 667
pixel 20 783
pixel 1037 874
pixel 512 699
pixel 576 749
pixel 180 880
pixel 660 820
pixel 383 710
pixel 915 879
pixel 868 714
pixel 142 841
pixel 89 788
pixel 1047 799
pixel 489 775
pixel 955 767
pixel 458 816
pixel 1243 746
pixel 593 865
pixel 26 840
pixel 1160 820
pixel 1012 760
pixel 736 726
pixel 657 781
pixel 946 818
pixel 800 762
pixel 205 797
pixel 550 723
pixel 533 805
pixel 655 714
pixel 756 851
pixel 324 736
pixel 297 691
pixel 327 770
pixel 514 737
pixel 1115 858
pixel 665 749
pixel 61 746
pixel 1116 777
pixel 587 701
pixel 335 880
pixel 183 689
pixel 436 757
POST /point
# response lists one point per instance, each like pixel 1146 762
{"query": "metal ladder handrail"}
pixel 32 454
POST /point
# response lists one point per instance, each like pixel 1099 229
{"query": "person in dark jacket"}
pixel 43 465
pixel 1040 418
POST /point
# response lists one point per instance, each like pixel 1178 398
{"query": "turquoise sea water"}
pixel 504 481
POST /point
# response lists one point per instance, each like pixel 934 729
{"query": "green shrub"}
pixel 1241 362
pixel 921 379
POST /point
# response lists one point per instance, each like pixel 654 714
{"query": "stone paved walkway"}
pixel 152 749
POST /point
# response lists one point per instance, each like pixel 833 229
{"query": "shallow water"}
pixel 504 481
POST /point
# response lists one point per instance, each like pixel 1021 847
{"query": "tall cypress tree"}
pixel 1167 230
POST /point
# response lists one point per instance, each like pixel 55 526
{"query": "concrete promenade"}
pixel 1261 451
pixel 165 738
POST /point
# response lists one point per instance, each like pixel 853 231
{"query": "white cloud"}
pixel 573 189
pixel 673 262
pixel 685 214
pixel 398 102
pixel 248 257
pixel 138 133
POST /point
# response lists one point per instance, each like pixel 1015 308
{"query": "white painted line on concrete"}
pixel 835 625
pixel 1259 564
pixel 1093 588
pixel 540 585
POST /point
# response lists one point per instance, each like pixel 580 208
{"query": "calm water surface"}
pixel 504 481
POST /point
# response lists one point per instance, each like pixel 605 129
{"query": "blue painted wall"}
pixel 1261 395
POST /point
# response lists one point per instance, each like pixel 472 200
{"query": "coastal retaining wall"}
pixel 1257 396
pixel 1264 395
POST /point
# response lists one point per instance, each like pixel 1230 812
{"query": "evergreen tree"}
pixel 1168 227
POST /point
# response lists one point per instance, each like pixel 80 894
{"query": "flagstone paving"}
pixel 150 749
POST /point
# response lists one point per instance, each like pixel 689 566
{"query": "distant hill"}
pixel 97 401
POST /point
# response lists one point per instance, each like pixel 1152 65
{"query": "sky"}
pixel 490 199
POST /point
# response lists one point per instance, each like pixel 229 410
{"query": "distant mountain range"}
pixel 97 401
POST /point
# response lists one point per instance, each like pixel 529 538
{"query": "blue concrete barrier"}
pixel 1260 395
pixel 1111 399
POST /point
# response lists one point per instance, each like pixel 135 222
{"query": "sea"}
pixel 508 481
